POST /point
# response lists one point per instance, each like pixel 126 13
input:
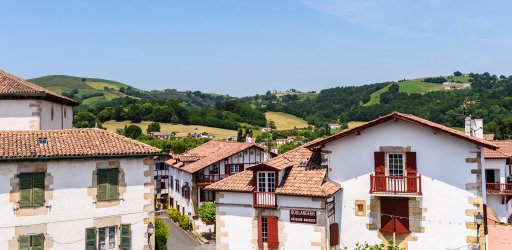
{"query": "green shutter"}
pixel 37 242
pixel 102 186
pixel 126 236
pixel 25 190
pixel 113 181
pixel 24 242
pixel 90 238
pixel 38 189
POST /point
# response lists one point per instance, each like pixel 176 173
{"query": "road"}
pixel 180 240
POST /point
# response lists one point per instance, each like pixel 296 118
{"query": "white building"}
pixel 27 106
pixel 74 189
pixel 402 178
pixel 498 179
pixel 191 172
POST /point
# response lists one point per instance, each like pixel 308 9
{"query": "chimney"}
pixel 474 127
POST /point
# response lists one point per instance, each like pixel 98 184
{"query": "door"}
pixel 266 186
pixel 396 172
pixel 394 215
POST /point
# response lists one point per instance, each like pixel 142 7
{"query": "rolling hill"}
pixel 285 121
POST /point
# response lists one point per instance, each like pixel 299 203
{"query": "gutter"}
pixel 56 158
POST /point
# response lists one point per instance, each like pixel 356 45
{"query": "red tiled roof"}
pixel 12 86
pixel 69 143
pixel 213 151
pixel 504 151
pixel 499 236
pixel 489 137
pixel 297 180
pixel 411 119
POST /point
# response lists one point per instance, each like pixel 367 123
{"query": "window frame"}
pixel 264 229
pixel 110 187
pixel 265 182
pixel 107 231
pixel 31 239
pixel 234 168
pixel 32 189
pixel 395 171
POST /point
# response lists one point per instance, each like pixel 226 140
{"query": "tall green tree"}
pixel 153 127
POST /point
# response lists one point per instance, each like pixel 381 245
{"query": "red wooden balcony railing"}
pixel 396 185
pixel 210 178
pixel 499 188
pixel 265 199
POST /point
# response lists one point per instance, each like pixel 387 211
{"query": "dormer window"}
pixel 266 181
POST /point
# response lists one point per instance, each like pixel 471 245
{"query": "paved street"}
pixel 180 240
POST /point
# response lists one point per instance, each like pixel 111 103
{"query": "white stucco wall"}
pixel 72 209
pixel 19 115
pixel 440 161
pixel 495 201
pixel 183 177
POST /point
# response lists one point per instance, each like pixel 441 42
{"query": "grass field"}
pixel 219 133
pixel 410 86
pixel 285 121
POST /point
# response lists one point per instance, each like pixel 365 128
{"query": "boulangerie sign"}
pixel 303 216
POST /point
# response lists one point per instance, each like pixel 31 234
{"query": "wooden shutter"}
pixel 90 238
pixel 386 220
pixel 402 212
pixel 201 194
pixel 273 240
pixel 38 242
pixel 241 168
pixel 113 184
pixel 334 234
pixel 38 189
pixel 25 190
pixel 227 169
pixel 24 242
pixel 260 232
pixel 410 162
pixel 102 187
pixel 126 236
pixel 380 163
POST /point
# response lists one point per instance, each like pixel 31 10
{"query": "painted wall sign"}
pixel 303 216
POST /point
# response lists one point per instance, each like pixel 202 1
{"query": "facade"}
pixel 401 179
pixel 27 106
pixel 191 172
pixel 498 179
pixel 74 189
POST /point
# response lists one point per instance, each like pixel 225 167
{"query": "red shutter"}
pixel 334 234
pixel 201 194
pixel 226 170
pixel 395 215
pixel 410 162
pixel 260 233
pixel 273 240
pixel 380 171
pixel 241 167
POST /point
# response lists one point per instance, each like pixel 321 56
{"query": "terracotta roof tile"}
pixel 69 143
pixel 411 119
pixel 489 137
pixel 13 86
pixel 206 154
pixel 504 151
pixel 297 180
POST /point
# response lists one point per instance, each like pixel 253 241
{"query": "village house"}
pixel 63 188
pixel 27 106
pixel 398 178
pixel 213 161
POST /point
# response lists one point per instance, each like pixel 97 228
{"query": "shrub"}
pixel 185 223
pixel 207 212
pixel 366 246
pixel 174 214
pixel 161 234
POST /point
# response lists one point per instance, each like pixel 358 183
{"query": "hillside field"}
pixel 286 121
pixel 219 133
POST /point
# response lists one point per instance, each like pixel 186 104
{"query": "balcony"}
pixel 210 178
pixel 499 188
pixel 264 200
pixel 395 185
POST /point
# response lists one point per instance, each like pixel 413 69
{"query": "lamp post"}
pixel 151 231
pixel 479 219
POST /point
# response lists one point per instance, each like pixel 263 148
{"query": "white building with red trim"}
pixel 398 178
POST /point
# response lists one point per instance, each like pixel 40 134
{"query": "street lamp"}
pixel 479 219
pixel 151 231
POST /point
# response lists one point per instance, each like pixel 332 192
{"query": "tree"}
pixel 84 119
pixel 207 212
pixel 153 127
pixel 457 73
pixel 132 131
pixel 122 90
pixel 272 124
pixel 161 234
pixel 240 135
pixel 287 147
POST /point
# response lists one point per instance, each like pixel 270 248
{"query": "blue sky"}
pixel 241 48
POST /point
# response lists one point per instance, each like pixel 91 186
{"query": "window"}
pixel 171 183
pixel 108 184
pixel 31 242
pixel 51 113
pixel 31 189
pixel 396 165
pixel 264 229
pixel 266 181
pixel 360 208
pixel 106 238
pixel 214 168
pixel 177 187
pixel 233 169
pixel 209 195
